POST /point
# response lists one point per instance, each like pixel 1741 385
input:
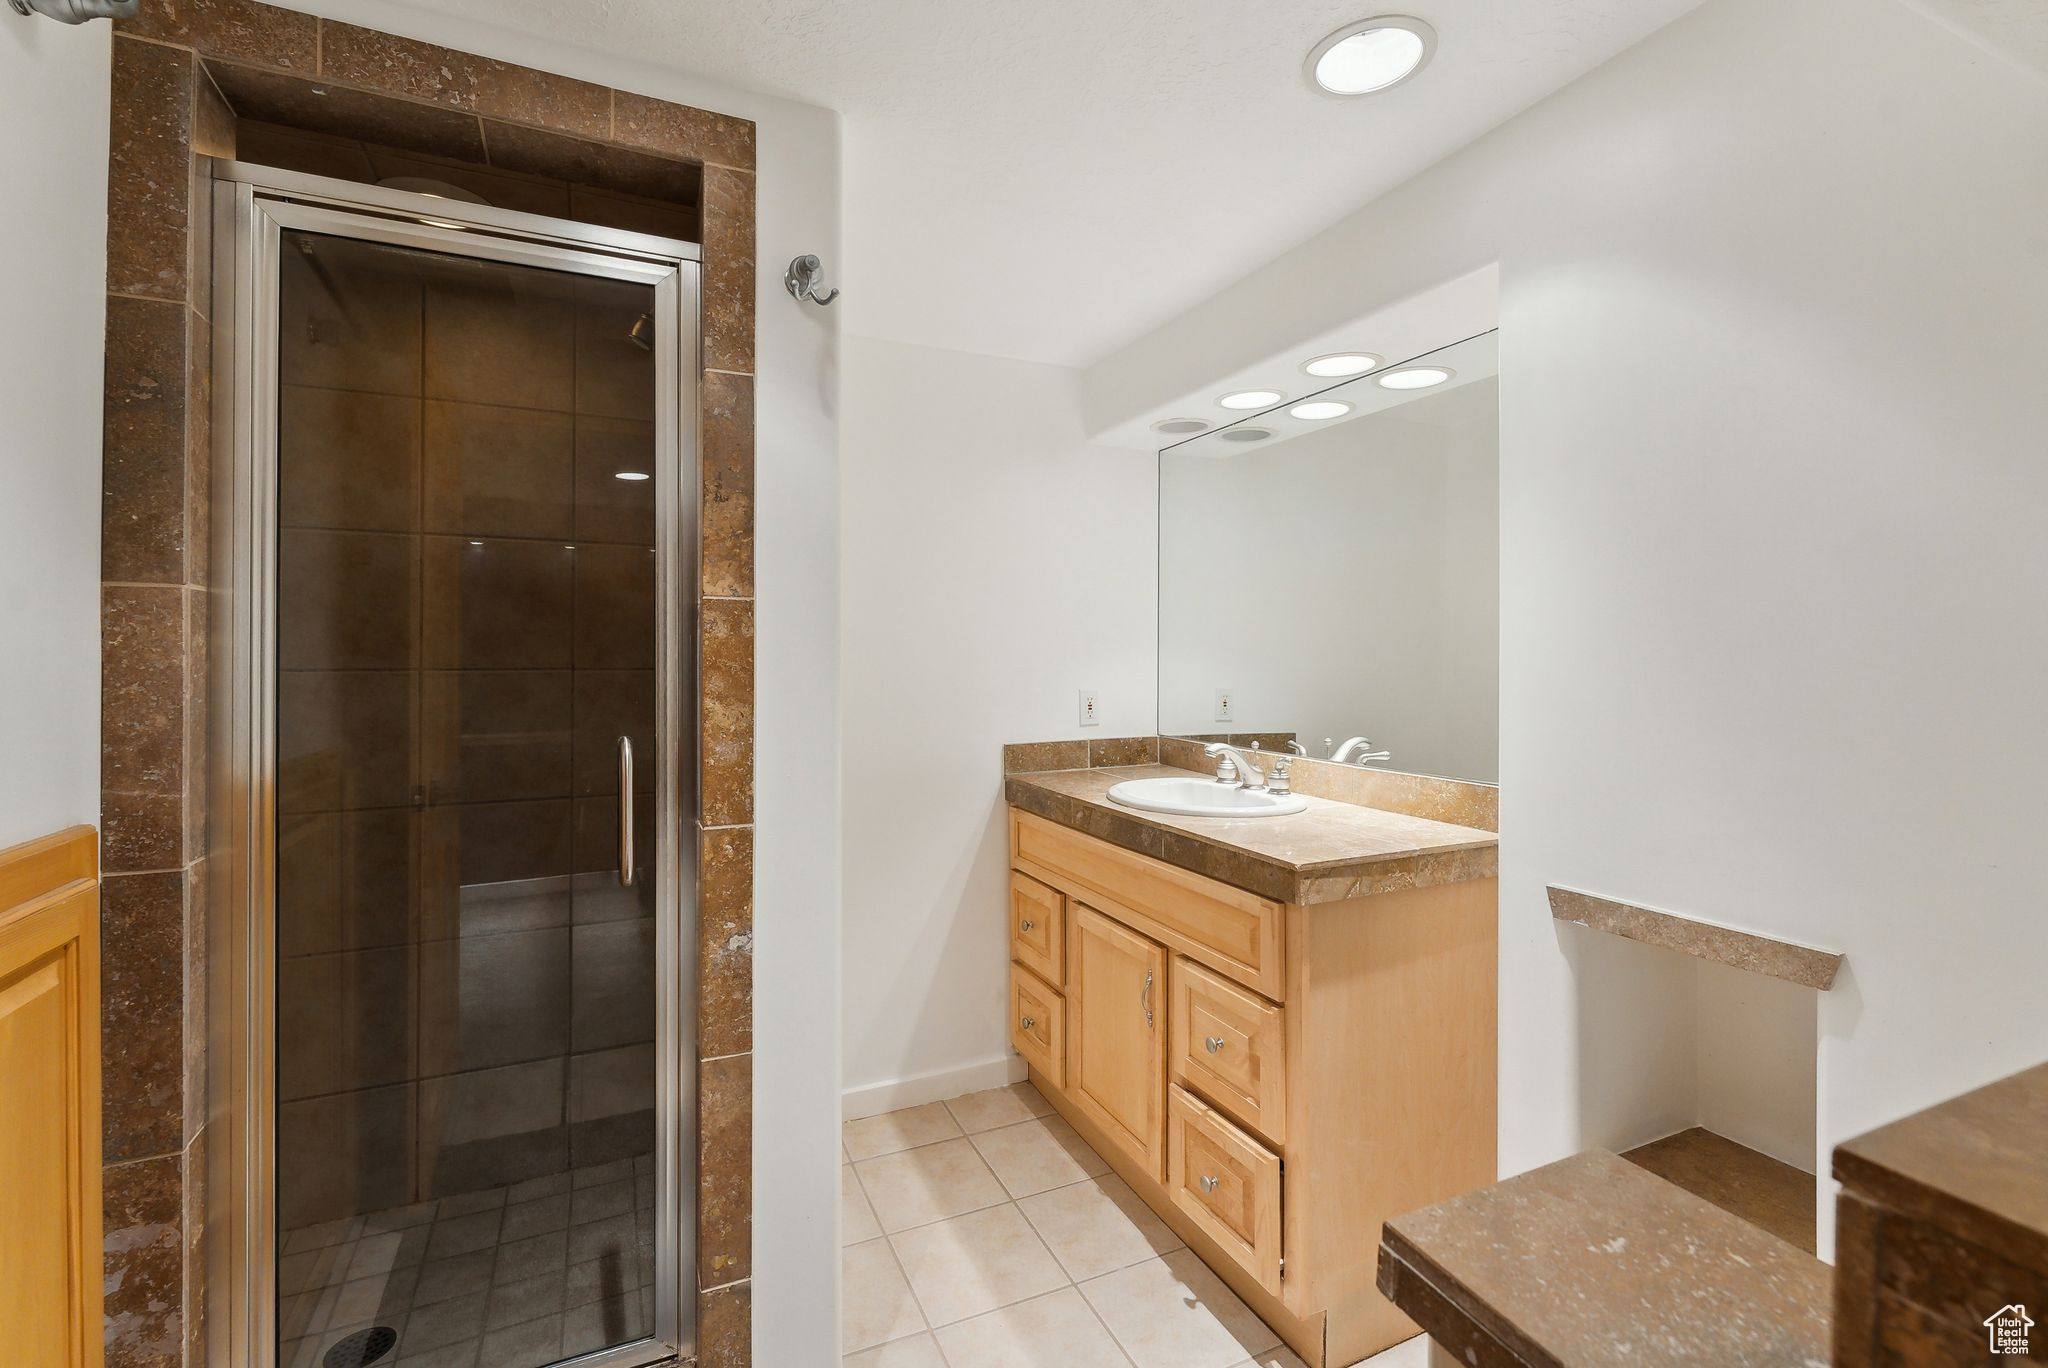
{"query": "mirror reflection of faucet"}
pixel 1358 750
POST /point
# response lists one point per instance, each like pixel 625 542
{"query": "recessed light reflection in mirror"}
pixel 1341 365
pixel 631 475
pixel 1251 399
pixel 1416 377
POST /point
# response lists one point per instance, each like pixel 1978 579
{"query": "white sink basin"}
pixel 1202 798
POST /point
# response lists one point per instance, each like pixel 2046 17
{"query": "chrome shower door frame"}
pixel 252 207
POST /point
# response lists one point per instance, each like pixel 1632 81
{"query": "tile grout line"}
pixel 1070 1280
pixel 922 1315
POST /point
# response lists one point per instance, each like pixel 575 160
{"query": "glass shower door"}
pixel 467 931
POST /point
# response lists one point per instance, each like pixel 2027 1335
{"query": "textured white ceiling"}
pixel 2017 28
pixel 1051 180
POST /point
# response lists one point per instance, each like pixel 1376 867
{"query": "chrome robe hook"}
pixel 805 279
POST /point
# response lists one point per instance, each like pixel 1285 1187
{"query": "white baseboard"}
pixel 898 1093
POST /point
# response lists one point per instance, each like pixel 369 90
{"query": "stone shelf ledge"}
pixel 1779 959
pixel 1596 1263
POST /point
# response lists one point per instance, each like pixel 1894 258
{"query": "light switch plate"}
pixel 1223 705
pixel 1090 717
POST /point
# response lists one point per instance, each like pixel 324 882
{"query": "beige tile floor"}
pixel 984 1233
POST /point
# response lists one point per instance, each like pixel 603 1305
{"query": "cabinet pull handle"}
pixel 1145 996
pixel 1028 1022
pixel 1208 1183
pixel 1214 1043
pixel 1027 926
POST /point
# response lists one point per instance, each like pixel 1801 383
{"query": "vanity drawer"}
pixel 1225 1182
pixel 1038 927
pixel 1233 932
pixel 1038 1024
pixel 1230 1046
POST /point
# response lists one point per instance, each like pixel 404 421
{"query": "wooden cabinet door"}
pixel 50 1283
pixel 1116 1033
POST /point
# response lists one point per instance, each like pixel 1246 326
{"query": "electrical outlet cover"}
pixel 1090 714
pixel 1223 705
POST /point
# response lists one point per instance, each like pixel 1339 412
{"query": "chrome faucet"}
pixel 1249 775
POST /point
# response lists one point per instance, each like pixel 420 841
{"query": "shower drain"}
pixel 362 1348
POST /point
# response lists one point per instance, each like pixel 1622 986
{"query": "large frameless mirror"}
pixel 1329 570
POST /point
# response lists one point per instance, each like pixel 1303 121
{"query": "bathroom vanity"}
pixel 1279 1031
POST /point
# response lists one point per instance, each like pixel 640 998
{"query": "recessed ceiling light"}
pixel 1416 377
pixel 1338 365
pixel 1180 427
pixel 1251 399
pixel 1371 55
pixel 1245 434
pixel 631 475
pixel 1317 410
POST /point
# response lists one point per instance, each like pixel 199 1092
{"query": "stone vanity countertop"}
pixel 1596 1262
pixel 1329 853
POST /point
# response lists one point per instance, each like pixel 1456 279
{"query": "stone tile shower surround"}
pixel 167 113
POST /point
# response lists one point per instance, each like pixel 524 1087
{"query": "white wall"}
pixel 1772 285
pixel 1375 597
pixel 995 565
pixel 1665 1042
pixel 1755 1058
pixel 53 272
pixel 796 798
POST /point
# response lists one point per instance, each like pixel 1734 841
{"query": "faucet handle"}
pixel 1226 772
pixel 1276 782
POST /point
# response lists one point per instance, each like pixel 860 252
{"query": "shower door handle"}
pixel 625 812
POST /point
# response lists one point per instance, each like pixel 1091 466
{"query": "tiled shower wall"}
pixel 155 687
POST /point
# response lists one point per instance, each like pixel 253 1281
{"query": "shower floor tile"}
pixel 517 1277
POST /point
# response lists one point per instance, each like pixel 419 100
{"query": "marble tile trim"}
pixel 154 521
pixel 1779 959
pixel 1034 756
pixel 1626 1258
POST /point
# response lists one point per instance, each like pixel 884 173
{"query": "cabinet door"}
pixel 1116 1033
pixel 50 1237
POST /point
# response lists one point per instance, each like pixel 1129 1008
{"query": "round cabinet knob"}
pixel 1208 1183
pixel 1214 1043
pixel 1027 925
pixel 1028 1022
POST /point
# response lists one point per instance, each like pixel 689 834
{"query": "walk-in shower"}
pixel 453 612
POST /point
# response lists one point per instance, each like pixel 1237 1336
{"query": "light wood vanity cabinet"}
pixel 1275 1081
